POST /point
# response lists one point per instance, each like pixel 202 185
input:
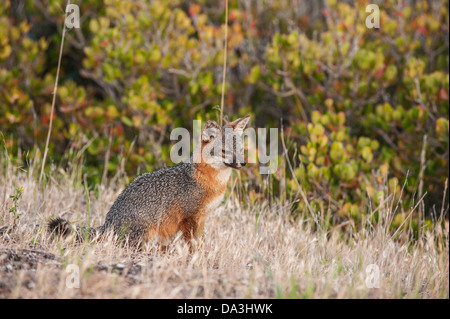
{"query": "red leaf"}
pixel 229 99
pixel 380 72
pixel 422 30
pixel 194 9
pixel 443 94
pixel 65 109
pixel 117 130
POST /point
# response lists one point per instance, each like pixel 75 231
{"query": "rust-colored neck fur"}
pixel 210 177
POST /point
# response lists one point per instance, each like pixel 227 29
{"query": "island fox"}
pixel 179 198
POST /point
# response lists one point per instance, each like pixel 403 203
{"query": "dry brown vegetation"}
pixel 248 252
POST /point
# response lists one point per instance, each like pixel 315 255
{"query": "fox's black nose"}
pixel 243 163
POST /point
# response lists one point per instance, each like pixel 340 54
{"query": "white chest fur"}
pixel 213 204
pixel 223 173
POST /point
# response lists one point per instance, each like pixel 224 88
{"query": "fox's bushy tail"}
pixel 62 228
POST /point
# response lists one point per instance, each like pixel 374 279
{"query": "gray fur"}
pixel 148 201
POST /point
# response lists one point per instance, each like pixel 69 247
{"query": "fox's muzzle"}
pixel 236 165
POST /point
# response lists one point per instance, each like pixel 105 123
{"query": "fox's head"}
pixel 222 146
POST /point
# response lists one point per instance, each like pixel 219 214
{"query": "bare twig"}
pixel 422 170
pixel 386 138
pixel 108 153
pixel 420 99
pixel 224 72
pixel 441 217
pixel 54 100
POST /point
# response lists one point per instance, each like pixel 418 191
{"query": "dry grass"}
pixel 249 252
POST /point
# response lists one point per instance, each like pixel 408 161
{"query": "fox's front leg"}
pixel 192 229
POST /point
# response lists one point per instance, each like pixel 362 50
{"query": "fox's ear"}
pixel 210 131
pixel 239 124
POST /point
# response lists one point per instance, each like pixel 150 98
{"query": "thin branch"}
pixel 422 170
pixel 54 99
pixel 386 138
pixel 441 217
pixel 420 99
pixel 224 72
